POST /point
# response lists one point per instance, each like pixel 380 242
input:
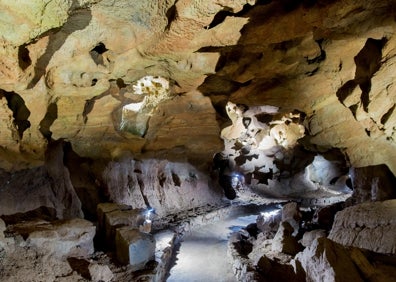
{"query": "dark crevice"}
pixel 368 62
pixel 141 188
pixel 96 53
pixel 161 179
pixel 219 18
pixel 241 160
pixel 171 15
pixel 120 83
pixel 365 96
pixel 223 14
pixel 218 85
pixel 387 115
pixel 140 182
pixel 100 48
pixel 354 109
pixel 214 49
pixel 20 112
pixel 264 118
pixel 176 179
pixel 24 57
pixel 346 90
pixel 89 105
pixel 94 81
pixel 312 72
pixel 50 116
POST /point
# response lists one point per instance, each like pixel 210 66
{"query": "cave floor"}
pixel 203 252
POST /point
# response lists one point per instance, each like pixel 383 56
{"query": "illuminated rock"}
pixel 134 247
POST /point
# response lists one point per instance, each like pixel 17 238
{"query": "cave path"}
pixel 203 252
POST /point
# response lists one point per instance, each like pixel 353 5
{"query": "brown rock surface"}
pixel 71 63
pixel 368 226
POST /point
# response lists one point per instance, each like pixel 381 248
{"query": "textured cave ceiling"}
pixel 67 69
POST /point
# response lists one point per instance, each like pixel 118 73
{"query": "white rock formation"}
pixel 326 260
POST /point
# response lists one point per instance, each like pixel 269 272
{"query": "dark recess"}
pixel 171 15
pixel 23 57
pixel 50 116
pixel 20 112
pixel 96 53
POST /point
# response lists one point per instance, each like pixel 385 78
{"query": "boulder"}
pixel 292 215
pixel 134 247
pixel 284 242
pixel 326 260
pixel 370 226
pixel 100 273
pixel 310 236
pixel 103 208
pixel 112 216
pixel 69 238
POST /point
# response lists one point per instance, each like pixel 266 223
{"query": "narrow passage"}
pixel 203 253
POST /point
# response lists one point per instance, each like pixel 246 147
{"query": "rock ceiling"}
pixel 68 68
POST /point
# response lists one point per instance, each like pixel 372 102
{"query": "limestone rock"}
pixel 326 260
pixel 368 226
pixel 104 208
pixel 69 238
pixel 99 272
pixel 134 247
pixel 113 216
pixel 30 190
pixel 292 215
pixel 310 236
pixel 284 242
pixel 166 186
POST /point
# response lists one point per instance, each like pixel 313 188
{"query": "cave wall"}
pixel 66 69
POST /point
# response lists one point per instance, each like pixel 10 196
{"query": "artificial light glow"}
pixel 148 213
pixel 270 213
